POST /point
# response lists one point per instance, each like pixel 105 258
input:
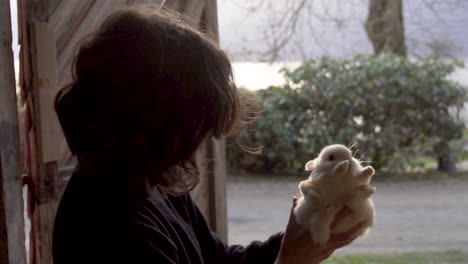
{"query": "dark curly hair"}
pixel 147 91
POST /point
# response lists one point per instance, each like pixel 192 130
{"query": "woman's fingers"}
pixel 295 199
pixel 343 239
pixel 340 244
pixel 292 216
pixel 292 227
pixel 326 254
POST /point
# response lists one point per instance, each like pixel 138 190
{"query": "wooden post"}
pixel 215 157
pixel 210 195
pixel 12 244
pixel 215 149
pixel 39 68
pixel 47 131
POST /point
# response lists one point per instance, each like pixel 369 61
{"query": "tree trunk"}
pixel 447 163
pixel 384 26
pixel 446 157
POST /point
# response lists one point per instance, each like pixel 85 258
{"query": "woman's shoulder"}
pixel 104 218
pixel 165 208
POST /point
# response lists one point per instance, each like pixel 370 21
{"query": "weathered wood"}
pixel 3 225
pixel 45 134
pixel 216 177
pixel 200 194
pixel 194 11
pixel 45 89
pixel 43 223
pixel 210 193
pixel 12 247
pixel 72 26
pixel 209 20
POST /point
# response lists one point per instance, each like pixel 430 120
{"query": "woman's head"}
pixel 147 90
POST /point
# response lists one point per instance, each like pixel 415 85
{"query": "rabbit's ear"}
pixel 341 167
pixel 309 165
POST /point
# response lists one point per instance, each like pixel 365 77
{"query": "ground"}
pixel 412 216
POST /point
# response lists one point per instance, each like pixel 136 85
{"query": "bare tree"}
pixel 384 26
pixel 408 28
pixel 296 26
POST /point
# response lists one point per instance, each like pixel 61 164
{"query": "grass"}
pixel 443 257
pixel 463 156
pixel 465 134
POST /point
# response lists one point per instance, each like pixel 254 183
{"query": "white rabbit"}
pixel 337 179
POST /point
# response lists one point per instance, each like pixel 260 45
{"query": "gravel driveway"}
pixel 411 216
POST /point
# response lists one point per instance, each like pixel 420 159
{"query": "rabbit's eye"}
pixel 331 158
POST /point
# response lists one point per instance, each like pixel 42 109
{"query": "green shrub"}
pixel 393 108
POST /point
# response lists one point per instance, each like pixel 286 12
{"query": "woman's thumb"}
pixel 292 224
pixel 295 199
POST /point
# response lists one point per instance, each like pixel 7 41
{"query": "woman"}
pixel 147 91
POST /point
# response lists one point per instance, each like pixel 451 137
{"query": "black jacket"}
pixel 101 220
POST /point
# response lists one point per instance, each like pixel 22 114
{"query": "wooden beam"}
pixel 200 193
pixel 3 224
pixel 209 20
pixel 12 245
pixel 44 90
pixel 45 134
pixel 216 177
pixel 194 11
pixel 215 149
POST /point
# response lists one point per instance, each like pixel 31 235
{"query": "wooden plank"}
pixel 200 194
pixel 46 131
pixel 210 195
pixel 43 223
pixel 3 224
pixel 45 89
pixel 38 10
pixel 220 189
pixel 216 153
pixel 216 178
pixel 209 20
pixel 173 4
pixel 25 64
pixel 12 247
pixel 194 11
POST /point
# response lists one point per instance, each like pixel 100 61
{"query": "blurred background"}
pixel 384 76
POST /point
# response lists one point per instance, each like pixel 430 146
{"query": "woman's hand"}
pixel 297 246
